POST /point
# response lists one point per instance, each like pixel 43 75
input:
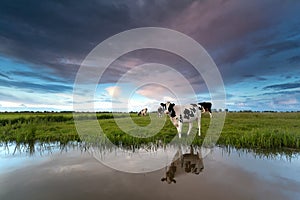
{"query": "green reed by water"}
pixel 271 131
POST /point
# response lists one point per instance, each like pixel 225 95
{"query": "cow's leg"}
pixel 199 125
pixel 179 129
pixel 190 127
pixel 209 110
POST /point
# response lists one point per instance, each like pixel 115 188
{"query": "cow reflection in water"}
pixel 184 163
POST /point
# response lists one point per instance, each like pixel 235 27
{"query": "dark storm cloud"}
pixel 284 86
pixel 43 32
pixel 49 33
pixel 59 34
pixel 236 33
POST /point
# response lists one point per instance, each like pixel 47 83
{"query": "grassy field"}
pixel 272 131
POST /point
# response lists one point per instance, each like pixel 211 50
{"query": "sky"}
pixel 254 44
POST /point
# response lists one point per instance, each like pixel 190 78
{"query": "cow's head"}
pixel 168 107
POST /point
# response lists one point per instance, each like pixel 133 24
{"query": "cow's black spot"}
pixel 172 113
pixel 171 110
pixel 180 118
pixel 186 113
pixel 193 110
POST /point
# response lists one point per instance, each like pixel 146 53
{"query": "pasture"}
pixel 258 131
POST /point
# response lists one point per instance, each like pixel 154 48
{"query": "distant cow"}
pixel 183 164
pixel 160 111
pixel 206 107
pixel 143 112
pixel 182 114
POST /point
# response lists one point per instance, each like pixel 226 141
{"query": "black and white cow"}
pixel 206 107
pixel 160 111
pixel 183 114
pixel 143 112
pixel 184 163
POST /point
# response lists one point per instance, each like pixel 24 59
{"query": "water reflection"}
pixel 184 163
pixel 68 171
pixel 39 148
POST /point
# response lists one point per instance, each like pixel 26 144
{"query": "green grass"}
pixel 264 131
pixel 261 130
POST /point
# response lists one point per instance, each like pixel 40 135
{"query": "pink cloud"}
pixel 219 22
pixel 114 91
pixel 156 92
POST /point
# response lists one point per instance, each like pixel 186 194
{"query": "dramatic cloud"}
pixel 255 45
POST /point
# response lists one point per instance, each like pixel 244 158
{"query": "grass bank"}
pixel 273 131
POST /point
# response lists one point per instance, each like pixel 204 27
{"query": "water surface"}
pixel 71 173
